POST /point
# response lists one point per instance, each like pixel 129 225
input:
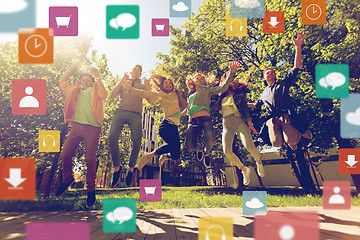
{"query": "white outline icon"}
pixel 319 8
pixel 36 45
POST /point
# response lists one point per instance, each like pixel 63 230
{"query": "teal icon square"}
pixel 122 21
pixel 247 8
pixel 119 215
pixel 180 8
pixel 254 203
pixel 15 14
pixel 350 116
pixel 332 80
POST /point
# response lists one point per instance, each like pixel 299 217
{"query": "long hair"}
pixel 159 81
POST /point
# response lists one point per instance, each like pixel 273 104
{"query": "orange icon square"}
pixel 273 22
pixel 35 45
pixel 17 178
pixel 313 12
pixel 349 159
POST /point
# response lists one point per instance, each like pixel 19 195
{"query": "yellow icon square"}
pixel 49 141
pixel 216 228
pixel 235 26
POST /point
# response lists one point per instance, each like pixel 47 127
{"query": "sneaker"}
pixel 200 155
pixel 162 159
pixel 91 199
pixel 246 175
pixel 145 158
pixel 116 178
pixel 260 169
pixel 63 188
pixel 207 162
pixel 128 178
pixel 307 134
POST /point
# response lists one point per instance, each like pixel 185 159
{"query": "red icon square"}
pixel 36 45
pixel 28 96
pixel 336 195
pixel 287 225
pixel 17 178
pixel 274 22
pixel 349 160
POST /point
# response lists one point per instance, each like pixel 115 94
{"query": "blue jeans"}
pixel 169 132
pixel 196 127
pixel 133 119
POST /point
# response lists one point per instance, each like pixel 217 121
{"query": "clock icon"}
pixel 313 12
pixel 35 45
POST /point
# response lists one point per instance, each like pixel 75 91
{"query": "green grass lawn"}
pixel 172 197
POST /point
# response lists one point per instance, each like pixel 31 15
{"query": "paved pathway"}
pixel 172 224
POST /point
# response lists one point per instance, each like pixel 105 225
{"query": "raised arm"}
pixel 220 89
pixel 150 96
pixel 119 86
pixel 67 74
pixel 183 104
pixel 298 42
pixel 101 91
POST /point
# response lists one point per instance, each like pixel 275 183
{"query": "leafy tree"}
pixel 203 46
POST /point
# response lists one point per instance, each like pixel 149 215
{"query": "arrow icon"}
pixel 15 177
pixel 273 21
pixel 351 160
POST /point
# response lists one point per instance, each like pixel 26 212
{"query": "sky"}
pixel 122 54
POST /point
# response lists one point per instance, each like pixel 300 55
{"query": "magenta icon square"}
pixel 150 190
pixel 57 230
pixel 160 27
pixel 63 21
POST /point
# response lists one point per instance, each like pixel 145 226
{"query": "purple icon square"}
pixel 160 27
pixel 150 190
pixel 57 230
pixel 63 21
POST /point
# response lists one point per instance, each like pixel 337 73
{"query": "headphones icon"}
pixel 241 26
pixel 218 226
pixel 54 142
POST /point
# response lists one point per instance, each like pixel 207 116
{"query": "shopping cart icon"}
pixel 63 21
pixel 160 27
pixel 150 190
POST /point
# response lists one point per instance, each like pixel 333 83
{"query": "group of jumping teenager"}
pixel 83 107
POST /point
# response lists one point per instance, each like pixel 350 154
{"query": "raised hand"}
pixel 147 84
pixel 95 72
pixel 234 65
pixel 125 78
pixel 76 65
pixel 300 38
pixel 126 83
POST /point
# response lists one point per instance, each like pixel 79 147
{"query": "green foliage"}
pixel 19 133
pixel 201 45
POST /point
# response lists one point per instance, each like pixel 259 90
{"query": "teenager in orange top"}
pixel 83 108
